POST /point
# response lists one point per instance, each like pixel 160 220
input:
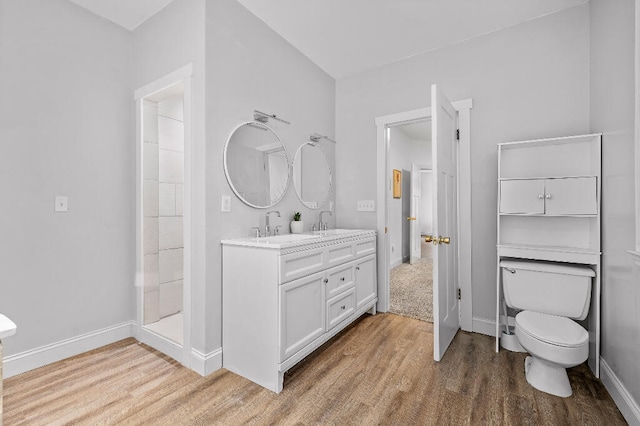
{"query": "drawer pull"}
pixel 342 279
pixel 326 280
pixel 343 307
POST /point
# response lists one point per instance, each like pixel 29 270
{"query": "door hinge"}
pixel 457 134
pixel 459 294
pixel 385 229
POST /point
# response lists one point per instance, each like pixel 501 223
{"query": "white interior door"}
pixel 414 219
pixel 446 320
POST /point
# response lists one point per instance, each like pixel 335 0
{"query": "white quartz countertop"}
pixel 7 327
pixel 293 240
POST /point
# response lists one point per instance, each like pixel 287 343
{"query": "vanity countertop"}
pixel 7 327
pixel 294 240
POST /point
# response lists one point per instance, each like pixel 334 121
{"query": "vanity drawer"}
pixel 340 308
pixel 365 247
pixel 339 279
pixel 300 264
pixel 340 253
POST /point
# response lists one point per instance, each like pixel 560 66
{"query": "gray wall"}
pixel 251 67
pixel 612 113
pixel 66 121
pixel 527 81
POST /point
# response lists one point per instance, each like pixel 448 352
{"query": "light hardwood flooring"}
pixel 380 370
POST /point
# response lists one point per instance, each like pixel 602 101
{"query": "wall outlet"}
pixel 226 204
pixel 366 206
pixel 61 204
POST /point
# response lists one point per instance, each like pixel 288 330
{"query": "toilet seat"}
pixel 540 335
pixel 552 329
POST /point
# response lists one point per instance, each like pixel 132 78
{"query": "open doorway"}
pixel 163 209
pixel 452 262
pixel 164 214
pixel 411 268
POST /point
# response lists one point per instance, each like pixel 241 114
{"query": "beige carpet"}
pixel 412 290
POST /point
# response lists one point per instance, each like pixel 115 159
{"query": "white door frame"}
pixel 384 186
pixel 181 353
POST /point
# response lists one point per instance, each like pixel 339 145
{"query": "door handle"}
pixel 441 240
pixel 411 218
pixel 428 238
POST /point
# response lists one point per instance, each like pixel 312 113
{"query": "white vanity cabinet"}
pixel 549 210
pixel 282 299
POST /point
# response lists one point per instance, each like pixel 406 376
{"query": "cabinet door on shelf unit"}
pixel 302 313
pixel 522 196
pixel 366 283
pixel 571 196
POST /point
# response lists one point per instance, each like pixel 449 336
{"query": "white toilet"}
pixel 550 295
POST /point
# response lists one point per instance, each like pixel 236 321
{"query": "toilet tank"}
pixel 548 287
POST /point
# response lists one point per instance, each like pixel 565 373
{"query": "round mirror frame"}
pixel 226 170
pixel 330 177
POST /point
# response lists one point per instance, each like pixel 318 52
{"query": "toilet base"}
pixel 547 377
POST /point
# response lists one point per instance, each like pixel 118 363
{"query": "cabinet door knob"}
pixel 343 307
pixel 342 279
pixel 357 268
pixel 548 196
pixel 326 280
pixel 540 196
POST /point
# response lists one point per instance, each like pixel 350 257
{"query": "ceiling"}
pixel 348 37
pixel 126 13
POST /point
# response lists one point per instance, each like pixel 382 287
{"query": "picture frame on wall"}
pixel 397 183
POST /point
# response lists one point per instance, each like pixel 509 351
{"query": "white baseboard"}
pixel 395 262
pixel 623 399
pixel 484 326
pixel 206 364
pixel 35 358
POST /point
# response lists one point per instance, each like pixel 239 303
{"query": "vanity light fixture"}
pixel 264 118
pixel 316 138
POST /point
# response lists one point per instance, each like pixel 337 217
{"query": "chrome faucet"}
pixel 267 227
pixel 323 225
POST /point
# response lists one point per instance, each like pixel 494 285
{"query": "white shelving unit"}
pixel 549 193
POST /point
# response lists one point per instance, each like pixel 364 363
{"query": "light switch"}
pixel 62 203
pixel 366 206
pixel 226 204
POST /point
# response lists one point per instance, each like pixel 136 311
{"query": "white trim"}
pixel 160 343
pixel 164 82
pixel 47 354
pixel 484 326
pixel 181 353
pixel 637 120
pixel 464 216
pixel 206 364
pixel 621 396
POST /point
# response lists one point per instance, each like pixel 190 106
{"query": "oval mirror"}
pixel 312 175
pixel 256 164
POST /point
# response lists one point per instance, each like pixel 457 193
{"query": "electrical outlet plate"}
pixel 226 204
pixel 61 203
pixel 366 206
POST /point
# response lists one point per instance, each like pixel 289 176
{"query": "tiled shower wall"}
pixel 163 164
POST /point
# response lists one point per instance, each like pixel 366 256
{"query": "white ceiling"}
pixel 126 13
pixel 345 37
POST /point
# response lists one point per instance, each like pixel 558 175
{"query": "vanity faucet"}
pixel 267 227
pixel 323 225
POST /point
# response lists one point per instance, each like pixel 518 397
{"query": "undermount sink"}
pixel 7 327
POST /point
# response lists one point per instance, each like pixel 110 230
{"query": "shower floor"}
pixel 169 327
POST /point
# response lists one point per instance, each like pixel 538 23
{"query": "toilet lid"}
pixel 559 331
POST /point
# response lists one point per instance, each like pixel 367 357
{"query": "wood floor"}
pixel 380 370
